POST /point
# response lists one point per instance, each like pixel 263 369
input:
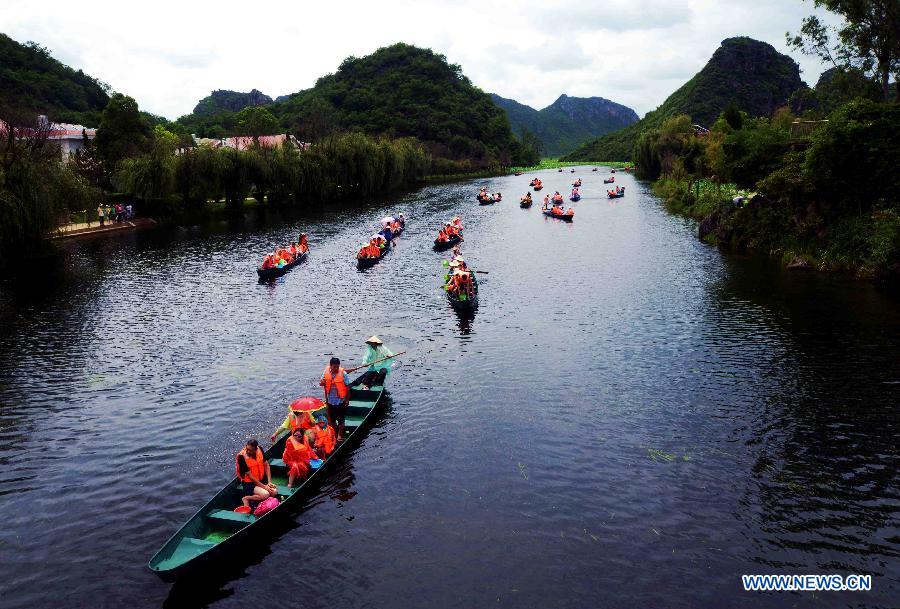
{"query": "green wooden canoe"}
pixel 216 531
pixel 465 304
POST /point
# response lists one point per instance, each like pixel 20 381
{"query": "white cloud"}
pixel 635 52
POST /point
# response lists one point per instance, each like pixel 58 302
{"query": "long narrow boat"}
pixel 467 304
pixel 488 201
pixel 609 181
pixel 615 196
pixel 538 187
pixel 272 273
pixel 440 246
pixel 525 203
pixel 563 217
pixel 216 531
pixel 575 198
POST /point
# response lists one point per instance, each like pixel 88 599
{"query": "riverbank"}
pixel 557 164
pixel 827 201
pixel 745 221
pixel 82 229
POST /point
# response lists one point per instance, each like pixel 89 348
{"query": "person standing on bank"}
pixel 337 395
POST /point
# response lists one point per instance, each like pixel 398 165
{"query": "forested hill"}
pixel 398 91
pixel 31 81
pixel 568 122
pixel 751 73
pixel 230 101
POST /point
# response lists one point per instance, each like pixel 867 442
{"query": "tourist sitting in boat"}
pixel 461 283
pixel 337 394
pixel 303 243
pixel 557 210
pixel 526 198
pixel 575 193
pixel 498 196
pixel 296 456
pixel 443 237
pixel 557 198
pixel 255 474
pixel 325 440
pixel 457 223
pixel 461 263
pixel 299 416
pixel 268 262
pixel 369 250
pixel 376 373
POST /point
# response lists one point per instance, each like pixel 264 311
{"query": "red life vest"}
pixel 256 466
pixel 338 382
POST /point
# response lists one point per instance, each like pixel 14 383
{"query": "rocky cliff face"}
pixel 232 101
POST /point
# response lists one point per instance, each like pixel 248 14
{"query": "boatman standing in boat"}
pixel 377 372
pixel 337 395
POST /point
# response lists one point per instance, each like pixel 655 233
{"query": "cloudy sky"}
pixel 168 55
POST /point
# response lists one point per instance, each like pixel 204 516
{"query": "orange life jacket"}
pixel 256 466
pixel 338 382
pixel 325 439
pixel 303 421
pixel 297 451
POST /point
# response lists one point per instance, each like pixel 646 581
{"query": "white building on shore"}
pixel 70 138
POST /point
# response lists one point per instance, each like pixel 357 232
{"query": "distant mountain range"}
pixel 568 122
pixel 751 73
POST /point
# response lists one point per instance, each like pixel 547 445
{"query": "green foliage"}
pixel 670 148
pixel 833 203
pixel 753 74
pixel 838 86
pixel 256 121
pixel 32 81
pixel 36 191
pixel 733 116
pixel 123 132
pixel 397 92
pixel 340 167
pixel 868 40
pixel 753 151
pixel 230 101
pixel 861 139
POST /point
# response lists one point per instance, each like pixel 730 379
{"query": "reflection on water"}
pixel 626 410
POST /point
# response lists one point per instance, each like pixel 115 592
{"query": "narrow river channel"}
pixel 630 418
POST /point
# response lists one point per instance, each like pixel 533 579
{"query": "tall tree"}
pixel 256 121
pixel 123 132
pixel 869 38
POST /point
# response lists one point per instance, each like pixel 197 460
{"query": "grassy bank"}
pixel 556 164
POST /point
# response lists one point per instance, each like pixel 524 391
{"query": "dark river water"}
pixel 630 419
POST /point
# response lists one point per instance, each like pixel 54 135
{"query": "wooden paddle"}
pixel 378 361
